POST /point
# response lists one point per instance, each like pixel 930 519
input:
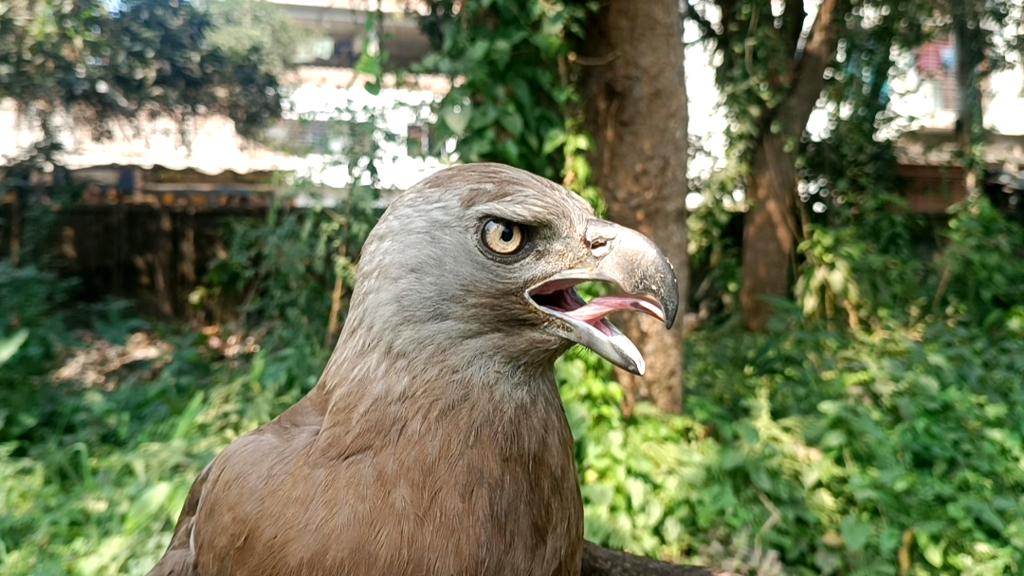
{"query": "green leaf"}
pixel 855 533
pixel 637 491
pixel 553 140
pixel 512 122
pixel 501 50
pixel 10 345
pixel 933 552
pixel 478 50
pixel 456 117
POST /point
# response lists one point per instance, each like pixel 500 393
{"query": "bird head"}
pixel 485 257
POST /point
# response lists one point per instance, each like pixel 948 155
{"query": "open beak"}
pixel 632 265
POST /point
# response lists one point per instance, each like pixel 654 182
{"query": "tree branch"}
pixel 727 8
pixel 793 23
pixel 707 31
pixel 808 79
pixel 599 561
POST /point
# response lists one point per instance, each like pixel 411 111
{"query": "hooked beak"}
pixel 630 263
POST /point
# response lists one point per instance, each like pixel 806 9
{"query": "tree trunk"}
pixel 636 110
pixel 969 128
pixel 769 229
pixel 164 277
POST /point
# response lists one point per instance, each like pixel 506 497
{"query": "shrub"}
pixel 819 452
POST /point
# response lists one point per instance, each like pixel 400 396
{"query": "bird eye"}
pixel 502 237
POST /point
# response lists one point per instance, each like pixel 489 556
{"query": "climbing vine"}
pixel 514 98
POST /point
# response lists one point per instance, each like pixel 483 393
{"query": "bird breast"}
pixel 416 486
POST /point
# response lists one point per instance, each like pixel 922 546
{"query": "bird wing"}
pixel 179 559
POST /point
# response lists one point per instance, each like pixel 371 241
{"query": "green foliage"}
pixel 858 180
pixel 280 272
pixel 981 272
pixel 144 56
pixel 827 284
pixel 759 45
pixel 92 478
pixel 878 269
pixel 513 99
pixel 807 450
pixel 256 27
pixel 29 326
pixel 714 253
pixel 756 48
pixel 9 345
pixel 810 451
pixel 862 256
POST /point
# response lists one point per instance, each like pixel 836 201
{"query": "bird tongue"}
pixel 600 307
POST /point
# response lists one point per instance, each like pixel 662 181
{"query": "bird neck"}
pixel 375 391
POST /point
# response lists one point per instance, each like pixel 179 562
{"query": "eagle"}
pixel 435 442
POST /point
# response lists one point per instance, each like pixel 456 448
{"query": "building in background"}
pixel 926 101
pixel 161 160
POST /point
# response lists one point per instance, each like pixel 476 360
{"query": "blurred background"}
pixel 185 187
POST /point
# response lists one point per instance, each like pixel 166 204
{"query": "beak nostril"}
pixel 598 246
pixel 599 236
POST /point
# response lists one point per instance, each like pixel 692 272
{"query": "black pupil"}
pixel 507 233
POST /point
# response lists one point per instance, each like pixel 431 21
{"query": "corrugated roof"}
pixel 386 6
